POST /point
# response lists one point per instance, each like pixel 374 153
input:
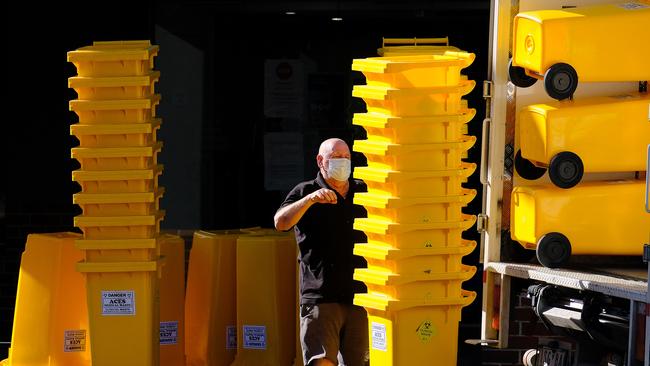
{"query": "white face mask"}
pixel 339 169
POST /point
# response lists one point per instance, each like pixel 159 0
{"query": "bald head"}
pixel 333 145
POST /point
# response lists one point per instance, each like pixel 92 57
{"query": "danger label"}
pixel 378 336
pixel 118 303
pixel 254 337
pixel 231 337
pixel 425 331
pixel 632 6
pixel 168 332
pixel 74 340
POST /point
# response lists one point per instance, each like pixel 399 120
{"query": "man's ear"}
pixel 319 161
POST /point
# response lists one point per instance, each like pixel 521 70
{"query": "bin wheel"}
pixel 560 81
pixel 517 75
pixel 530 357
pixel 526 169
pixel 566 169
pixel 553 250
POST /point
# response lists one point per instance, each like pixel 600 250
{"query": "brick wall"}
pixel 526 330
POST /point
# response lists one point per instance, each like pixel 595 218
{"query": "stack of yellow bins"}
pixel 416 124
pixel 119 198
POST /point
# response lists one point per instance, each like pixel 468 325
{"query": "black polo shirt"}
pixel 326 239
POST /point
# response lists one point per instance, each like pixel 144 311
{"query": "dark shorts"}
pixel 338 332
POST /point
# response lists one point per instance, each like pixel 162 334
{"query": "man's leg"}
pixel 320 326
pixel 354 337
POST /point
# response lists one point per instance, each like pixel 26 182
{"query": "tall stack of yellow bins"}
pixel 119 198
pixel 415 126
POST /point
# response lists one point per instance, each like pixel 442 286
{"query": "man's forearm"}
pixel 288 216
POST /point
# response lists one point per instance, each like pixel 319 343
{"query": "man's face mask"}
pixel 339 169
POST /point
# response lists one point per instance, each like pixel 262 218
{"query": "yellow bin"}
pixel 416 286
pixel 118 181
pixel 412 184
pixel 413 332
pixel 415 236
pixel 119 227
pixel 418 157
pixel 422 260
pixel 114 58
pixel 415 130
pixel 414 71
pixel 117 158
pixel 107 88
pixel 415 46
pixel 118 204
pixel 414 210
pixel 210 299
pixel 115 111
pixel 595 218
pixel 172 301
pixel 50 319
pixel 123 308
pixel 116 135
pixel 266 299
pixel 415 101
pixel 119 250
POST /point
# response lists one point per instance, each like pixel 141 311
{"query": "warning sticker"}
pixel 379 336
pixel 632 6
pixel 74 340
pixel 425 331
pixel 169 332
pixel 254 336
pixel 118 303
pixel 231 337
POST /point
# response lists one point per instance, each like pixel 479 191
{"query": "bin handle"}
pixel 647 182
pixel 415 41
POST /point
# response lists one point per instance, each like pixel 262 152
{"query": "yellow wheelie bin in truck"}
pixel 606 42
pixel 595 135
pixel 597 218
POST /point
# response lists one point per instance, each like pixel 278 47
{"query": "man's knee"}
pixel 322 362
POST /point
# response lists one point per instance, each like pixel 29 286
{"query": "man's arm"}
pixel 286 217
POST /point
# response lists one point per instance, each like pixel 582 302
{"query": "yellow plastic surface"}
pixel 420 260
pixel 117 158
pixel 130 337
pixel 415 334
pixel 107 88
pixel 605 42
pixel 415 46
pixel 604 218
pixel 172 301
pixel 599 130
pixel 210 299
pixel 415 130
pixel 116 135
pixel 120 58
pixel 50 301
pixel 266 302
pixel 117 204
pixel 119 250
pixel 414 184
pixel 119 227
pixel 439 156
pixel 414 210
pixel 415 286
pixel 415 101
pixel 118 181
pixel 115 111
pixel 414 71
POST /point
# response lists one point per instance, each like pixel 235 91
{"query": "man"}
pixel 332 330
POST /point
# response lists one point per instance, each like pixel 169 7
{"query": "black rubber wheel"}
pixel 526 169
pixel 560 81
pixel 553 250
pixel 518 76
pixel 566 169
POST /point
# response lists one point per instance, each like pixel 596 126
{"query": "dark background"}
pixel 235 38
